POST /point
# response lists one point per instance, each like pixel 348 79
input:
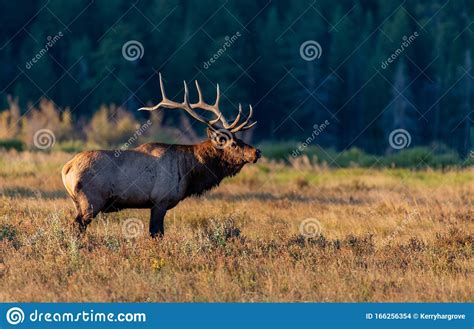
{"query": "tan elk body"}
pixel 156 175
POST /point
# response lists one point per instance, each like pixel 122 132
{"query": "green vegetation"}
pixel 12 144
pixel 417 157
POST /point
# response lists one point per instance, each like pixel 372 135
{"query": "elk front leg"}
pixel 157 219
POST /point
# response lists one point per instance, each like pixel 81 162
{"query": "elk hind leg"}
pixel 157 219
pixel 86 212
pixel 78 220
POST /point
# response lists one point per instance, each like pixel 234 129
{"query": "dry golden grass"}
pixel 387 235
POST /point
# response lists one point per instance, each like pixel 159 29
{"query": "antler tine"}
pixel 162 87
pixel 211 108
pixel 219 117
pixel 187 106
pixel 199 92
pixel 186 94
pixel 164 100
pixel 243 126
pixel 249 126
pixel 236 121
pixel 218 96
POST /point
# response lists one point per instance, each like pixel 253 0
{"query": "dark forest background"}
pixel 427 90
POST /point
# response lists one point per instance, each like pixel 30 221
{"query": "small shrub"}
pixel 10 120
pixel 421 157
pixel 355 157
pixel 12 144
pixel 47 116
pixel 112 243
pixel 71 146
pixel 219 232
pixel 9 233
pixel 111 126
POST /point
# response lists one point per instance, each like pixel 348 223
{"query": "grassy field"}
pixel 385 235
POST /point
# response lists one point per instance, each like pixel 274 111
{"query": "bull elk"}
pixel 156 175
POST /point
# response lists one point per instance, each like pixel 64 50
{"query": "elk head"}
pixel 220 133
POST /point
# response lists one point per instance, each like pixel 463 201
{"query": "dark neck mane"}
pixel 209 168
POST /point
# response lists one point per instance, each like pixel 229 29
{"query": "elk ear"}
pixel 211 134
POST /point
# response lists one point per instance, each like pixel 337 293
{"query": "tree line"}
pixel 379 65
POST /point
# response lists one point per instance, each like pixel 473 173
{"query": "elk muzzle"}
pixel 258 155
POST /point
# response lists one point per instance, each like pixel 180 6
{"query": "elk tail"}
pixel 67 183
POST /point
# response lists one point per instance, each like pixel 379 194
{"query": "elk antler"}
pixel 189 108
